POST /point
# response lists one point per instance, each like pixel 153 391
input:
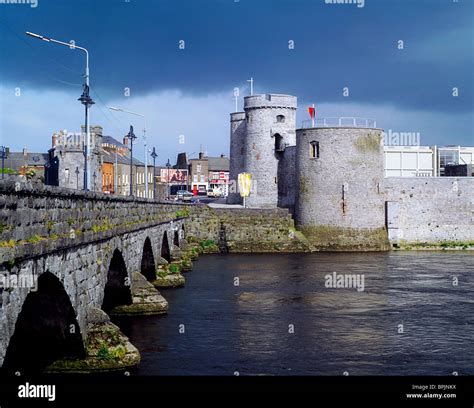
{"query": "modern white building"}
pixel 425 161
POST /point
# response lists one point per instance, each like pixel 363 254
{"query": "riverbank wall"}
pixel 245 230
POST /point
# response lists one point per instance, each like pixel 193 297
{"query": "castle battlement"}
pixel 270 101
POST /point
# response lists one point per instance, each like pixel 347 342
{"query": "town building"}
pixel 209 173
pixel 27 164
pixel 65 166
pixel 426 161
pixel 199 174
pixel 116 170
pixel 218 178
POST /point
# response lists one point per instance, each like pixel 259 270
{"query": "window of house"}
pixel 195 178
pixel 314 150
pixel 280 119
pixel 198 168
pixel 202 178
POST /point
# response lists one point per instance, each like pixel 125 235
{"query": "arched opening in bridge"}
pixel 117 289
pixel 46 330
pixel 165 248
pixel 148 268
pixel 176 239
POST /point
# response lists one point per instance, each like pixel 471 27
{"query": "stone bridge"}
pixel 65 255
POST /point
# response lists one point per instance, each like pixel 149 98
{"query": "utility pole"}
pixel 85 99
pixel 131 136
pixel 168 165
pixel 154 155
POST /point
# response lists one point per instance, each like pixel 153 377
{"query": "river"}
pixel 281 319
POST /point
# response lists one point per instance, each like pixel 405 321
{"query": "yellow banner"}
pixel 245 181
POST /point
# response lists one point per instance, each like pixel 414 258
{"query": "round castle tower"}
pixel 258 141
pixel 340 204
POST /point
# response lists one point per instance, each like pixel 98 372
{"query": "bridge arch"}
pixel 117 288
pixel 148 267
pixel 165 248
pixel 176 238
pixel 46 329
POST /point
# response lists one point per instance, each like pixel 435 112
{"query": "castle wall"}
pixel 430 211
pixel 340 203
pixel 237 140
pixel 287 180
pixel 261 157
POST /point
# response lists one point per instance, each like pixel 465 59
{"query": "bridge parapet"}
pixel 36 220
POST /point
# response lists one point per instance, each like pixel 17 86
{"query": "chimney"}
pixel 54 140
pixel 25 152
pixel 222 155
pixel 125 140
pixel 201 155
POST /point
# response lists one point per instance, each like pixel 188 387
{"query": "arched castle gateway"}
pixel 332 180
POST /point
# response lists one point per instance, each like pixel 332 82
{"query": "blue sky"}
pixel 135 44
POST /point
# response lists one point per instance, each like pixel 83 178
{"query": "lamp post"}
pixel 144 141
pixel 168 165
pixel 154 155
pixel 77 178
pixel 131 136
pixel 3 152
pixel 85 99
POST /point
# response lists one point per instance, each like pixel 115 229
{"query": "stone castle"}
pixel 332 180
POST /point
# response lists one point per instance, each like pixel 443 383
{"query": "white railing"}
pixel 344 121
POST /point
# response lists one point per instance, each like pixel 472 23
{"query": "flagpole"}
pixel 312 118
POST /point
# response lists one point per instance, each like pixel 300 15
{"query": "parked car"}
pixel 214 192
pixel 184 195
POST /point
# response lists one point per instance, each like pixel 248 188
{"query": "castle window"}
pixel 314 150
pixel 279 147
pixel 280 119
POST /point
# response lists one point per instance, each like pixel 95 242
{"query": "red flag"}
pixel 312 112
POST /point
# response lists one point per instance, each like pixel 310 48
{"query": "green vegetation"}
pixel 182 213
pixel 174 268
pixel 34 239
pixel 49 226
pixel 70 221
pixel 7 170
pixel 162 273
pixel 30 174
pixel 8 244
pixel 207 243
pixel 368 143
pixel 444 245
pixel 105 226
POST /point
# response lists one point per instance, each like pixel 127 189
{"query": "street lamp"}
pixel 154 155
pixel 168 165
pixel 77 178
pixel 131 136
pixel 144 141
pixel 85 99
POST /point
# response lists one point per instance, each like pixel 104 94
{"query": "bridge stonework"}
pixel 75 236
